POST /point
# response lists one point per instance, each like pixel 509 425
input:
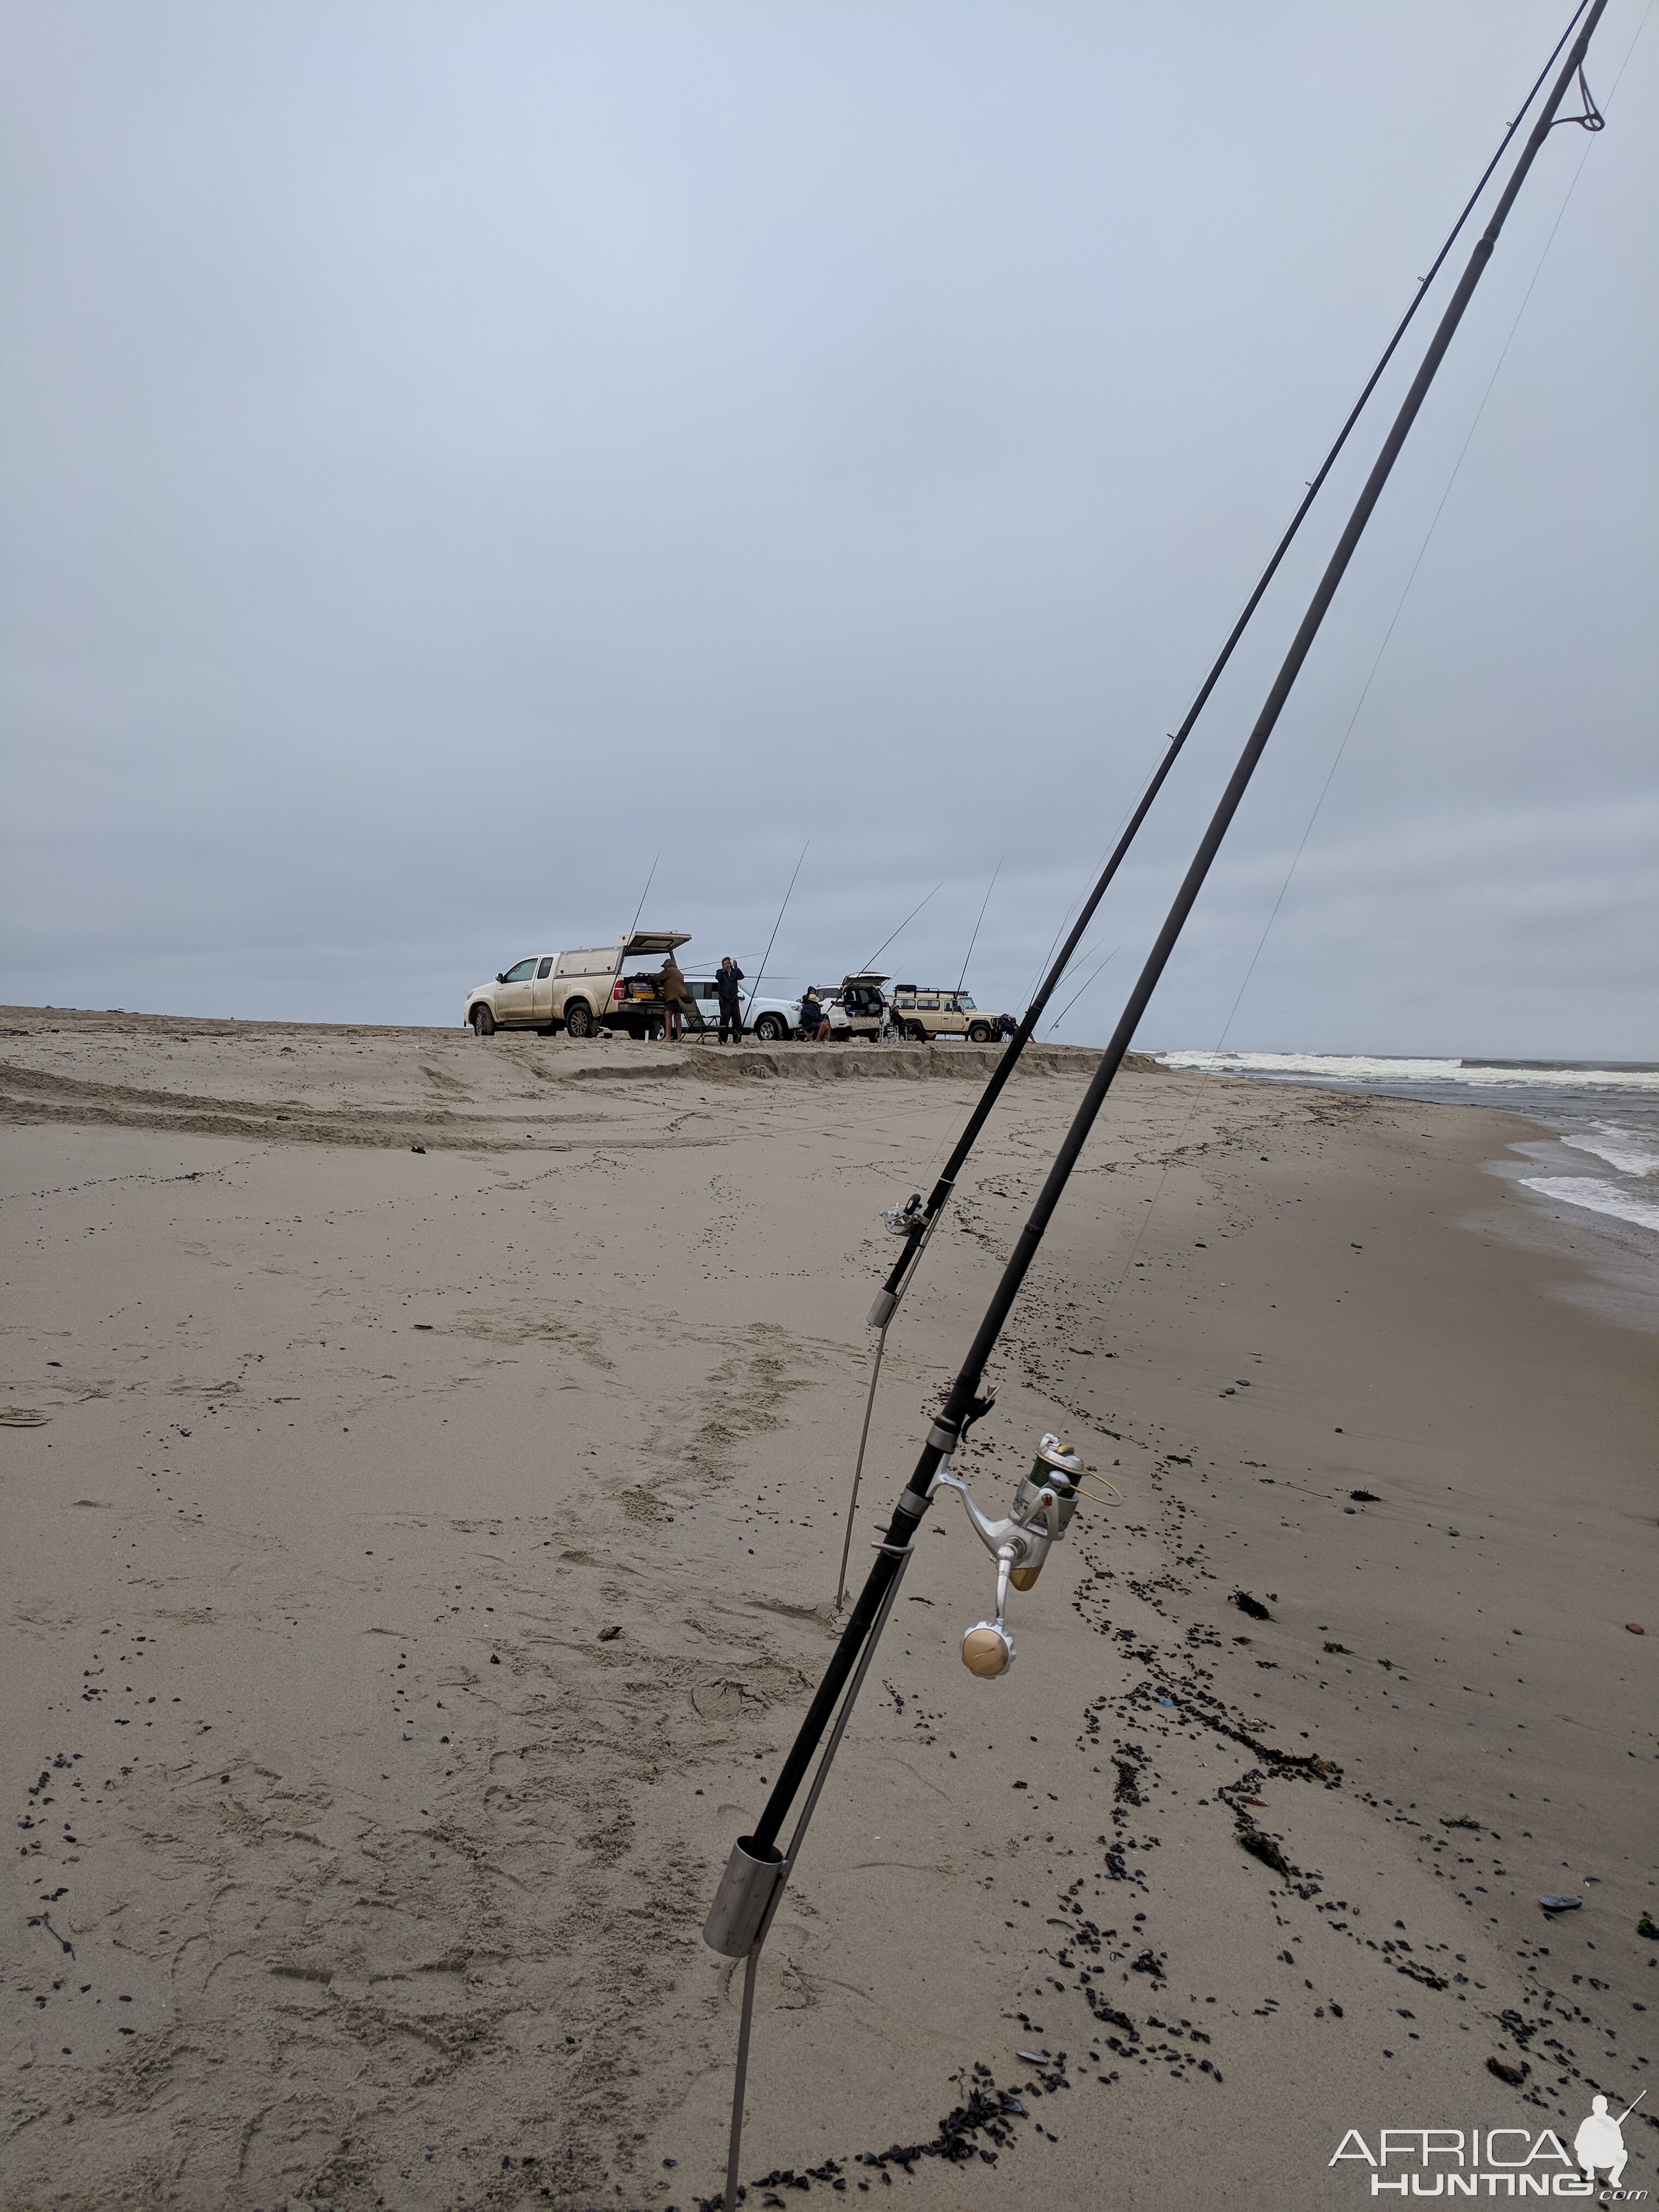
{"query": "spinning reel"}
pixel 1041 1513
pixel 900 1220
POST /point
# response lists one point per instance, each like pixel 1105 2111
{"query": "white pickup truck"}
pixel 578 990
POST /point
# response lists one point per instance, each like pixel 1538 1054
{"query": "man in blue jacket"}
pixel 727 979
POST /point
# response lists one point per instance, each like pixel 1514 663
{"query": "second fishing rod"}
pixel 916 1220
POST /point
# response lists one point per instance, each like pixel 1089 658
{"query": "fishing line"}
pixel 1591 120
pixel 1588 120
pixel 1178 736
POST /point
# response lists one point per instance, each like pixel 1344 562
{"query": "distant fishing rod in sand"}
pixel 974 939
pixel 645 894
pixel 754 990
pixel 900 930
pixel 758 1871
pixel 915 1220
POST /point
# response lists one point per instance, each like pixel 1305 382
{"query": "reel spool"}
pixel 1020 1543
pixel 1056 1469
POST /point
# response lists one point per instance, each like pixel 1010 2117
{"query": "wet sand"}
pixel 329 1460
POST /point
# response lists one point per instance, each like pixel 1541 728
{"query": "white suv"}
pixel 767 1019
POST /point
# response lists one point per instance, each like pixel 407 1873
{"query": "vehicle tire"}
pixel 577 1020
pixel 483 1021
pixel 979 1034
pixel 653 1030
pixel 914 1033
pixel 770 1029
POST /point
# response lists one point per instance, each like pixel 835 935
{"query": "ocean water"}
pixel 1601 1156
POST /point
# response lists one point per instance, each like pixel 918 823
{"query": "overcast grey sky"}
pixel 450 453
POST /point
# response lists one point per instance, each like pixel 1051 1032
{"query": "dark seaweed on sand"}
pixel 1263 1847
pixel 962 2137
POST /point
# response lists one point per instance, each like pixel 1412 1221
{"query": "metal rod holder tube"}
pixel 753 1873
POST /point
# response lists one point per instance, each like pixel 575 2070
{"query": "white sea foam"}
pixel 1623 1205
pixel 1623 1149
pixel 1364 1067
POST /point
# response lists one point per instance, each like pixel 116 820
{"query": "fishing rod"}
pixel 1050 1494
pixel 755 988
pixel 916 1219
pixel 974 939
pixel 902 926
pixel 645 895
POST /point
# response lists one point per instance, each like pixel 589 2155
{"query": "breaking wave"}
pixel 1610 1112
pixel 1620 1148
pixel 1369 1071
pixel 1615 1198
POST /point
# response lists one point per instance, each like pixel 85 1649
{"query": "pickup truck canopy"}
pixel 607 959
pixel 652 940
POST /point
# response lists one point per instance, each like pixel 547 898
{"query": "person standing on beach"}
pixel 672 985
pixel 730 975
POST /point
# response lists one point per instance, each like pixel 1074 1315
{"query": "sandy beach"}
pixel 424 1465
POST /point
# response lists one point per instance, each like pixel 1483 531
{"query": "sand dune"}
pixel 382 1866
pixel 301 1083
